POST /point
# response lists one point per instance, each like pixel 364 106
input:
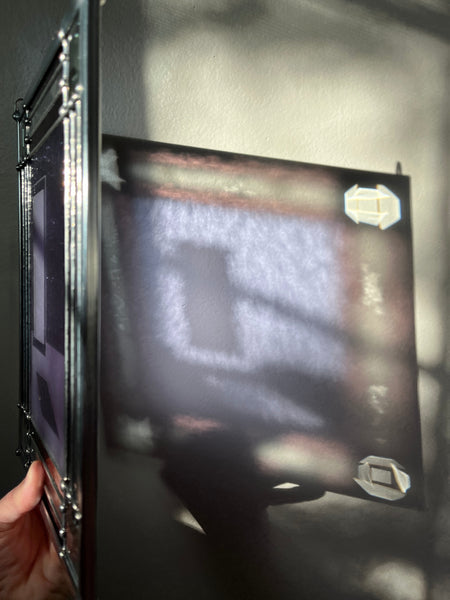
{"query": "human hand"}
pixel 30 568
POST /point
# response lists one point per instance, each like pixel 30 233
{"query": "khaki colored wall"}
pixel 353 84
pixel 356 84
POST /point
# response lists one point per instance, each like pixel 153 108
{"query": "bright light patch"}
pixel 286 486
pixel 373 206
pixel 396 580
pixel 186 518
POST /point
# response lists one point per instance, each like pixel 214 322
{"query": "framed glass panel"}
pixel 58 137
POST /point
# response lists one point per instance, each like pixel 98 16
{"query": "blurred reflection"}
pixel 390 580
pixel 306 458
pixel 259 258
pixel 247 338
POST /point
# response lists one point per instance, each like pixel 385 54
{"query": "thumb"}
pixel 23 498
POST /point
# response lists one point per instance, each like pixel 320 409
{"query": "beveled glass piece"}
pixel 383 478
pixel 377 206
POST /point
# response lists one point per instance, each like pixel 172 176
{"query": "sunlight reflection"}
pixel 184 516
pixel 309 458
pixel 277 295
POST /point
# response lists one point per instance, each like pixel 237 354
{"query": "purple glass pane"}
pixel 47 297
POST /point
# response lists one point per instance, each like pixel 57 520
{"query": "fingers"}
pixel 23 498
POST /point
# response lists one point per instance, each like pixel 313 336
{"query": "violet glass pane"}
pixel 47 296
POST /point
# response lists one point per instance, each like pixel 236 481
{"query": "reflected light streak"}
pixel 372 292
pixel 286 486
pixel 247 181
pixel 189 424
pixel 185 517
pixel 299 455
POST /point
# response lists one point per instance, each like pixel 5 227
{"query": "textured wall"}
pixel 361 84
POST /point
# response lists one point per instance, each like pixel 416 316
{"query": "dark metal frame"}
pixel 66 94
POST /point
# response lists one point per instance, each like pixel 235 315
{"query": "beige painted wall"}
pixel 331 81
